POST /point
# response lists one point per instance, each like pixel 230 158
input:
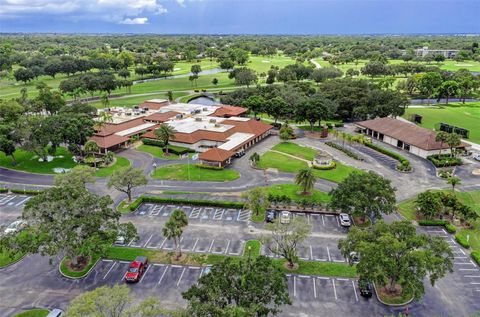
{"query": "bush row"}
pixel 462 241
pixel 476 256
pixel 178 150
pixel 325 167
pixel 153 142
pixel 437 222
pixel 25 191
pixel 3 190
pixel 208 167
pixel 444 160
pixel 195 202
pixel 344 150
pixel 394 155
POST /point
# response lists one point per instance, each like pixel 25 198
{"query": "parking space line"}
pixel 342 279
pixel 211 245
pixel 355 290
pixel 294 286
pixel 475 283
pixel 181 275
pixel 21 202
pixel 163 242
pixel 161 278
pixel 338 222
pixel 459 257
pixel 314 288
pixel 311 252
pixel 468 269
pixel 148 240
pixel 323 220
pixel 323 278
pixel 4 202
pixel 114 263
pixel 329 257
pixel 106 260
pixel 124 262
pixel 148 268
pixel 155 264
pixel 195 245
pixel 228 245
pixel 334 289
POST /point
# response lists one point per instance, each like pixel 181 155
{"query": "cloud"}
pixel 134 21
pixel 116 11
pixel 181 2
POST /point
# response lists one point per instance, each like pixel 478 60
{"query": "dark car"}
pixel 271 215
pixel 366 288
pixel 136 269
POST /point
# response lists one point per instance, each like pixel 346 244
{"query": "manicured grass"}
pixel 157 152
pixel 134 100
pixel 473 236
pixel 77 274
pixel 407 209
pixel 121 162
pixel 33 313
pixel 395 300
pixel 180 192
pixel 6 259
pixel 28 162
pixel 181 172
pixel 461 115
pixel 294 149
pixel 290 165
pixel 293 191
pixel 252 248
pixel 258 218
pixel 158 256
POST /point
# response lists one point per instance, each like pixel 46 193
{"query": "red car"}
pixel 137 269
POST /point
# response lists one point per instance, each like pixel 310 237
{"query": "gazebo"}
pixel 322 159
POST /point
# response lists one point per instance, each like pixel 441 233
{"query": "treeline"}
pixel 345 99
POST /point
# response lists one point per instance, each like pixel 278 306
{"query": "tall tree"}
pixel 366 193
pixel 429 204
pixel 454 181
pixel 244 287
pixel 165 133
pixel 256 200
pixel 285 238
pixel 441 137
pixel 79 176
pixel 173 229
pixel 126 179
pixel 305 178
pixel 453 140
pixel 394 254
pixel 255 104
pixel 429 83
pixel 448 89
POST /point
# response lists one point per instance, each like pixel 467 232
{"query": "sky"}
pixel 241 16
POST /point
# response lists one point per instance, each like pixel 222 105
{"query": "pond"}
pixel 202 100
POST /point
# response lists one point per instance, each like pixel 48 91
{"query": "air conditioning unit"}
pixel 198 119
pixel 205 109
pixel 179 116
pixel 217 125
pixel 213 120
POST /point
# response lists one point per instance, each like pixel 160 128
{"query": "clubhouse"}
pixel 218 132
pixel 406 136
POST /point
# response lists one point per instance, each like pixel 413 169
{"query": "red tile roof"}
pixel 229 111
pixel 406 132
pixel 161 117
pixel 216 155
pixel 153 105
pixel 109 141
pixel 110 128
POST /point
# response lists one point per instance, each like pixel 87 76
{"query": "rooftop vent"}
pixel 198 119
pixel 213 120
pixel 205 109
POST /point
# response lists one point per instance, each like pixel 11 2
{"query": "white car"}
pixel 15 227
pixel 476 156
pixel 285 217
pixel 344 220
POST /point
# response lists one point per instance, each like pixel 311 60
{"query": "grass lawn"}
pixel 133 100
pixel 292 191
pixel 157 152
pixel 38 312
pixel 27 161
pixel 289 165
pixel 121 162
pixel 5 258
pixel 465 116
pixel 77 274
pixel 180 172
pixel 294 149
pixel 158 256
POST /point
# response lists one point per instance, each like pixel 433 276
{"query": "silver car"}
pixel 285 217
pixel 344 220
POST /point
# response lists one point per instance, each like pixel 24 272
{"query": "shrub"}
pixel 153 142
pixel 25 191
pixel 462 241
pixel 394 155
pixel 450 228
pixel 3 190
pixel 476 256
pixel 404 166
pixel 344 150
pixel 195 202
pixel 445 173
pixel 444 160
pixel 325 167
pixel 209 167
pixel 432 222
pixel 338 124
pixel 178 150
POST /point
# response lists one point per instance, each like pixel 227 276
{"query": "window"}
pixel 399 144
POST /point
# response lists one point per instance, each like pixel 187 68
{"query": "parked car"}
pixel 476 156
pixel 15 227
pixel 137 269
pixel 271 215
pixel 55 313
pixel 345 220
pixel 239 154
pixel 285 217
pixel 366 288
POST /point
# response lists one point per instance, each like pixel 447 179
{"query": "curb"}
pixel 387 304
pixel 78 277
pixel 15 262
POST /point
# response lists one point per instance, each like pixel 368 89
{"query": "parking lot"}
pixel 13 200
pixel 314 249
pixel 11 207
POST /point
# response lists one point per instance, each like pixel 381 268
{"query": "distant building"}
pixel 405 136
pixel 447 53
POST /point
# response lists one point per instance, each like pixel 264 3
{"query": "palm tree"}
pixel 305 179
pixel 454 181
pixel 173 229
pixel 165 133
pixel 91 147
pixel 441 137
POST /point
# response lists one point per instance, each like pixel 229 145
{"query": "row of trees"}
pixel 92 82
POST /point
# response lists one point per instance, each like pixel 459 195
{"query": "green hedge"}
pixel 326 167
pixel 3 190
pixel 394 155
pixel 179 150
pixel 462 241
pixel 432 222
pixel 209 167
pixel 153 142
pixel 344 150
pixel 25 191
pixel 476 256
pixel 444 160
pixel 450 228
pixel 195 202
